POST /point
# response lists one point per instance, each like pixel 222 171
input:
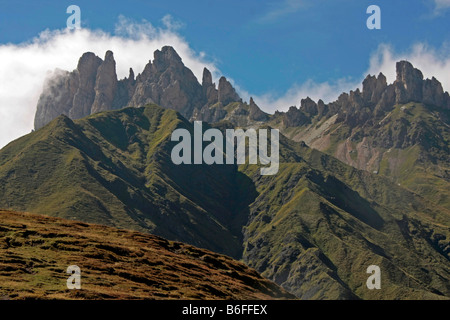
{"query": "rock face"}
pixel 57 98
pixel 105 84
pixel 377 97
pixel 85 94
pixel 166 81
pixel 373 88
pixel 226 93
pixel 255 113
pixel 408 86
pixel 309 106
pixel 209 88
pixel 293 118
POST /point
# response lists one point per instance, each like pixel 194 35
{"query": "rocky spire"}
pixel 131 75
pixel 408 86
pixel 309 106
pixel 209 88
pixel 255 113
pixel 168 83
pixel 433 93
pixel 207 78
pixel 165 58
pixel 227 93
pixel 106 84
pixel 373 88
pixel 85 95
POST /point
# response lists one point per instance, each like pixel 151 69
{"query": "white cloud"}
pixel 282 9
pixel 442 4
pixel 24 66
pixel 327 91
pixel 431 61
pixel 439 7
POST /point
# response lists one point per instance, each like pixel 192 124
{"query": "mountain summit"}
pixel 94 87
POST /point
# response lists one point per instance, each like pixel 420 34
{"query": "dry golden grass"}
pixel 36 250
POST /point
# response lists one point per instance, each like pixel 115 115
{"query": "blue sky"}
pixel 276 51
pixel 263 45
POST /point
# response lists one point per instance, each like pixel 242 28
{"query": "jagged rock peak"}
pixel 105 84
pixel 227 93
pixel 165 57
pixel 255 113
pixel 207 78
pixel 433 93
pixel 109 56
pixel 85 93
pixel 408 86
pixel 293 117
pixel 406 72
pixel 373 88
pixel 131 75
pixel 88 62
pixel 309 106
pixel 209 88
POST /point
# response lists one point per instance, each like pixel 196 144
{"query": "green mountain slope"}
pixel 318 224
pixel 113 168
pixel 314 227
pixel 408 144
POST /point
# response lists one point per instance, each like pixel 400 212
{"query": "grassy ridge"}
pixel 112 168
pixel 318 224
pixel 35 252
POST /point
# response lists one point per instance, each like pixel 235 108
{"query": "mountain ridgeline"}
pixel 362 181
pixel 93 87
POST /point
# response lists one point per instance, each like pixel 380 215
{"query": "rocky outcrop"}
pixel 209 88
pixel 168 83
pixel 105 84
pixel 57 97
pixel 375 99
pixel 227 93
pixel 294 117
pixel 411 87
pixel 93 87
pixel 373 88
pixel 85 95
pixel 409 83
pixel 255 113
pixel 433 93
pixel 309 106
pixel 125 90
pixel 322 108
pixel 70 93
